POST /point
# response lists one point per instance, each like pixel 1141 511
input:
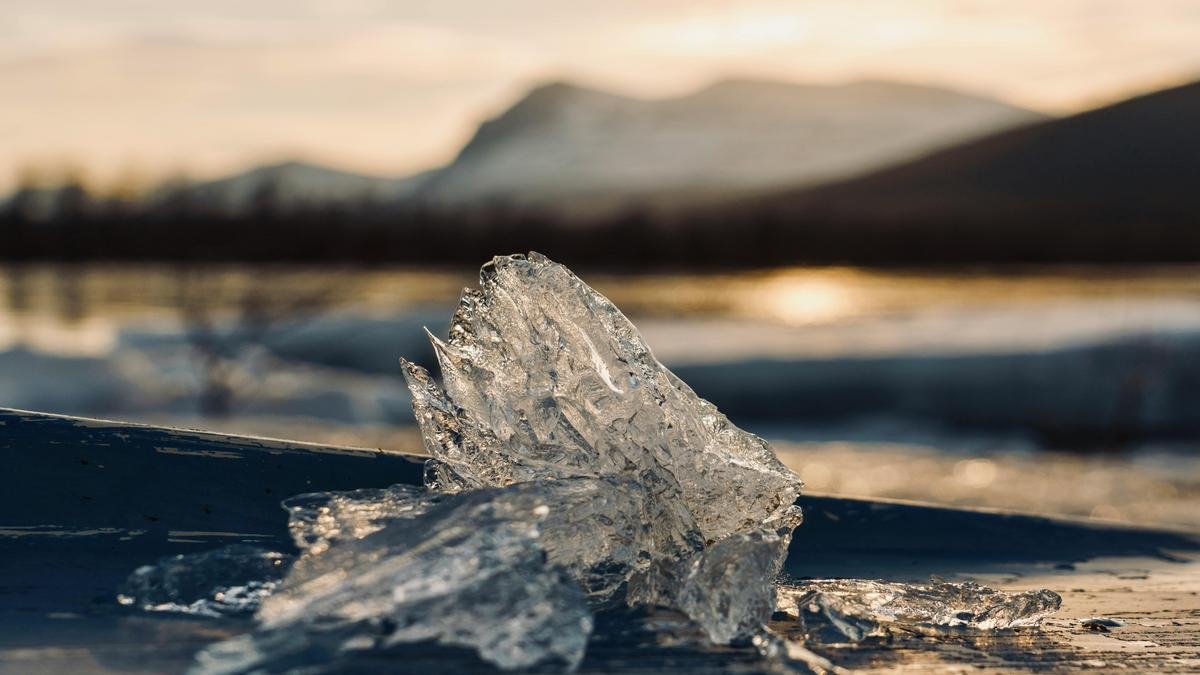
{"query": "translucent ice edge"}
pixel 229 581
pixel 571 474
pixel 841 610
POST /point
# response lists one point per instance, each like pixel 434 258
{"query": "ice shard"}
pixel 318 520
pixel 571 473
pixel 729 589
pixel 599 529
pixel 468 570
pixel 834 610
pixel 546 378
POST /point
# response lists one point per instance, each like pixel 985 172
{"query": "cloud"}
pixel 397 85
pixel 392 99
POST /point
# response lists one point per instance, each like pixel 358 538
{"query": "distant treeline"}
pixel 70 224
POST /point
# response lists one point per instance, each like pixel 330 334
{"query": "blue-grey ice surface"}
pixel 570 473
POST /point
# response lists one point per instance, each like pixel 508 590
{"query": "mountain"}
pixel 563 142
pixel 1120 182
pixel 589 150
pixel 298 183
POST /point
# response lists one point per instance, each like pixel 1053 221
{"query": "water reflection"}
pixel 84 336
pixel 223 316
pixel 801 298
pixel 67 297
pixel 787 313
pixel 16 290
pixel 838 359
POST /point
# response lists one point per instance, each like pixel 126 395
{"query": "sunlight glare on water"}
pixel 89 336
pixel 801 297
pixel 785 313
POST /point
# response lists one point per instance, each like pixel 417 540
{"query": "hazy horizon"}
pixel 133 90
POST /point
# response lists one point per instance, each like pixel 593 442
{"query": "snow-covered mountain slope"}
pixel 564 142
pixel 567 146
pixel 299 183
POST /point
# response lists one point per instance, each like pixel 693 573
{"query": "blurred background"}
pixel 945 250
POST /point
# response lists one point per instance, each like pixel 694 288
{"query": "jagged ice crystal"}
pixel 545 378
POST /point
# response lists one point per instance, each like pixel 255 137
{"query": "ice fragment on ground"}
pixel 599 529
pixel 468 570
pixel 320 519
pixel 729 589
pixel 1100 624
pixel 229 581
pixel 571 472
pixel 853 609
pixel 544 377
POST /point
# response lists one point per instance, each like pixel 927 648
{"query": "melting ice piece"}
pixel 730 587
pixel 545 378
pixel 466 570
pixel 599 529
pixel 571 472
pixel 853 609
pixel 320 519
pixel 229 581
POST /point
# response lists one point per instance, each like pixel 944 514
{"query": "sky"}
pixel 129 91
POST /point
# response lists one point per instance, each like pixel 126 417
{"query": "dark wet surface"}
pixel 86 503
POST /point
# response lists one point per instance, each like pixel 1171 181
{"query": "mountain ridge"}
pixel 1112 183
pixel 1130 159
pixel 568 147
pixel 295 183
pixel 563 141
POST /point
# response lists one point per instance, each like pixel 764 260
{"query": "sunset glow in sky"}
pixel 209 86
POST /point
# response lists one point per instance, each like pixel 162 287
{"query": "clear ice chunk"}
pixel 320 519
pixel 835 610
pixel 571 472
pixel 229 581
pixel 729 589
pixel 612 511
pixel 545 378
pixel 466 571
